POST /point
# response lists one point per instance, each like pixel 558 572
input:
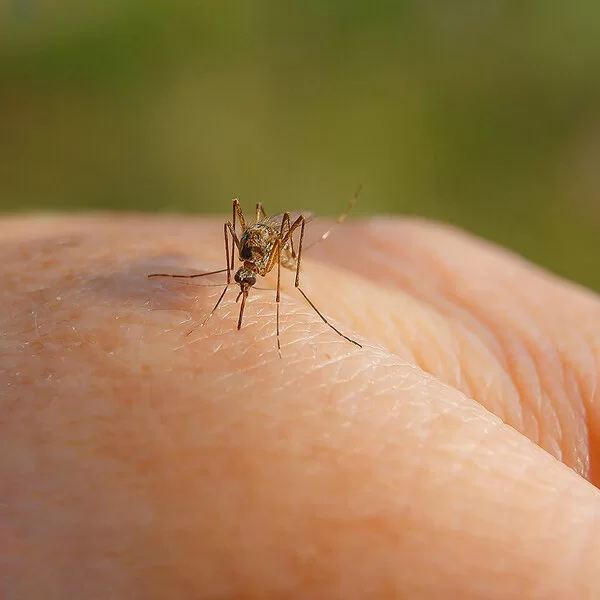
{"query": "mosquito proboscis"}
pixel 263 245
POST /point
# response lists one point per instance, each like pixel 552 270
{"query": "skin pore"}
pixel 454 456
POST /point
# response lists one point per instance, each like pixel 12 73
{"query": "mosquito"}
pixel 262 246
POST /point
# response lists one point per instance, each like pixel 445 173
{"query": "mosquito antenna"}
pixel 339 220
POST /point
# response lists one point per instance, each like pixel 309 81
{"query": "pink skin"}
pixel 136 462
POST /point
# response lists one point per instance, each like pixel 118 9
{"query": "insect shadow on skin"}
pixel 266 243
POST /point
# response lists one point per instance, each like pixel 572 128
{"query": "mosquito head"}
pixel 246 278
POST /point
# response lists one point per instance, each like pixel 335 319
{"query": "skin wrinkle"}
pixel 523 418
pixel 522 370
pixel 425 320
pixel 432 418
pixel 554 409
pixel 409 273
pixel 582 372
pixel 448 306
pixel 455 315
pixel 475 304
pixel 574 384
pixel 389 323
pixel 497 392
pixel 532 392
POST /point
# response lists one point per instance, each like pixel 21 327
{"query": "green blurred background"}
pixel 485 114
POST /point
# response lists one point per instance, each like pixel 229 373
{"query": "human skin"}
pixel 453 456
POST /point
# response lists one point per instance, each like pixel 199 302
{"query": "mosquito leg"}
pixel 278 296
pixel 285 238
pixel 187 276
pixel 294 255
pixel 234 202
pixel 237 210
pixel 236 243
pixel 210 314
pixel 301 221
pixel 234 237
pixel 226 228
pixel 260 212
pixel 226 270
pixel 229 265
pixel 339 220
pixel 284 221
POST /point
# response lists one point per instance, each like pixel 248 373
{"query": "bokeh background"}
pixel 485 113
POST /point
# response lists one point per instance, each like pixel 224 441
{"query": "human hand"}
pixel 137 462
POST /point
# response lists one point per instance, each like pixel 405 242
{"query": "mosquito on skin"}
pixel 267 243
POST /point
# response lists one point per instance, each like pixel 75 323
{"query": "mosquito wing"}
pixel 276 220
pixel 288 252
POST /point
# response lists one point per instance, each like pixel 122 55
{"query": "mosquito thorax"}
pixel 256 242
pixel 245 277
